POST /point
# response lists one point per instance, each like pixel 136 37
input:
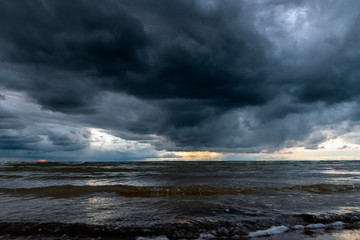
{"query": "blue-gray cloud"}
pixel 240 76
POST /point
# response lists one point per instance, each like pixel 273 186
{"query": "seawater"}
pixel 177 200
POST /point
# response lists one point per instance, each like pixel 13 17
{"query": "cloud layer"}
pixel 229 76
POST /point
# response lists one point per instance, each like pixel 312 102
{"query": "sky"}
pixel 179 80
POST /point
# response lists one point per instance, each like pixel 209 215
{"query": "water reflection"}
pixel 99 208
pixel 347 235
pixel 99 182
pixel 340 172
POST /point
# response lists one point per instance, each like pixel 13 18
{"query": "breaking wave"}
pixel 246 229
pixel 64 191
pixel 122 190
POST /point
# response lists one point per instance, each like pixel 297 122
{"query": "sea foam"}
pixel 206 236
pixel 152 238
pixel 271 231
pixel 315 226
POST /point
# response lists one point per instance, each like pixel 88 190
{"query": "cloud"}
pixel 24 126
pixel 28 131
pixel 240 76
pixel 203 59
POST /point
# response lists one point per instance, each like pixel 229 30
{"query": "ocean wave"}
pixel 65 191
pixel 314 188
pixel 327 188
pixel 69 169
pixel 246 229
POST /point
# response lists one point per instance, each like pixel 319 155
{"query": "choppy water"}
pixel 176 200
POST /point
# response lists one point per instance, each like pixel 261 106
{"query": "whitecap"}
pixel 152 238
pixel 206 236
pixel 271 231
pixel 338 224
pixel 298 227
pixel 315 226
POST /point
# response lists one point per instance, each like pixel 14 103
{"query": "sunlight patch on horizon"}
pixel 189 156
pixel 102 140
pixel 332 149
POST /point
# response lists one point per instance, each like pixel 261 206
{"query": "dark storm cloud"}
pixel 78 35
pixel 199 56
pixel 335 78
pixel 11 132
pixel 9 122
pixel 245 76
pixel 18 136
pixel 26 129
pixel 53 37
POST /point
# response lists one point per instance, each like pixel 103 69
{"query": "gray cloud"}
pixel 27 129
pixel 240 76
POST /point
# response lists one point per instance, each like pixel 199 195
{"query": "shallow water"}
pixel 176 199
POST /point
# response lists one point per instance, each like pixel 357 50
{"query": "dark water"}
pixel 177 200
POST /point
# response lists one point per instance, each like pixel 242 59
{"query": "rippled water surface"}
pixel 175 199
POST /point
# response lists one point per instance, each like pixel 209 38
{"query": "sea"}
pixel 180 200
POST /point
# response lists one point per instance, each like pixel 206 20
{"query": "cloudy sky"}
pixel 179 80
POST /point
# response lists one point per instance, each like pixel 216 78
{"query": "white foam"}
pixel 154 238
pixel 338 224
pixel 298 227
pixel 315 226
pixel 206 236
pixel 271 231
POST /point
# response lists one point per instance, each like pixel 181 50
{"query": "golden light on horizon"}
pixel 332 149
pixel 337 144
pixel 189 156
